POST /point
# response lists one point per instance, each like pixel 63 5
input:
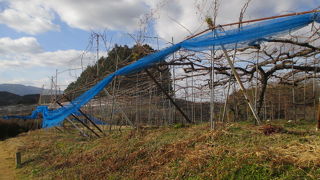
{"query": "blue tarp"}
pixel 250 34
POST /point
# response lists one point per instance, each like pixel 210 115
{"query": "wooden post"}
pixel 18 159
pixel 168 96
pixel 74 125
pixel 241 85
pixel 80 121
pixel 87 117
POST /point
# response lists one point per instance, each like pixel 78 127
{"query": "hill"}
pixel 117 58
pixel 7 98
pixel 20 89
pixel 235 151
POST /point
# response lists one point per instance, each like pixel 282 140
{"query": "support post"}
pixel 121 110
pixel 241 85
pixel 18 159
pixel 58 129
pixel 74 125
pixel 212 98
pixel 226 102
pixel 86 116
pixel 168 96
pixel 318 115
pixel 80 121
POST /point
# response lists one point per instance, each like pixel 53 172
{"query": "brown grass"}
pixel 172 153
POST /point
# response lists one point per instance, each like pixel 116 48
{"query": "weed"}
pixel 237 151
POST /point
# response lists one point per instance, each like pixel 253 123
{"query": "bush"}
pixel 11 128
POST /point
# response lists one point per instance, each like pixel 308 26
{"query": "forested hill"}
pixel 7 98
pixel 117 58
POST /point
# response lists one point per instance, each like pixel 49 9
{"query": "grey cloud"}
pixel 35 16
pixel 111 14
pixel 31 17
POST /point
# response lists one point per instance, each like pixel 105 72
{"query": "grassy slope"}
pixel 237 151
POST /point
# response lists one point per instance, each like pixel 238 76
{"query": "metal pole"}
pixel 304 93
pixel 97 35
pixel 318 115
pixel 279 102
pixel 212 123
pixel 257 83
pixel 174 85
pixel 121 110
pixel 56 84
pixel 293 94
pixel 241 85
pixel 314 91
pixel 226 101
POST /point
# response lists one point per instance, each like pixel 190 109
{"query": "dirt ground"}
pixel 7 161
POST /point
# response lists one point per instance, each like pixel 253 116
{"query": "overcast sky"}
pixel 39 36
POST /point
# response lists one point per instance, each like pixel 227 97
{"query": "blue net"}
pixel 55 117
pixel 34 114
pixel 245 36
pixel 250 34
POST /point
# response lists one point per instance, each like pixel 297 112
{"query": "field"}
pixel 283 150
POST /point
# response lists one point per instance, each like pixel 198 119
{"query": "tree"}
pixel 118 57
pixel 291 59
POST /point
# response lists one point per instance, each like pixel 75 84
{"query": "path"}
pixel 7 164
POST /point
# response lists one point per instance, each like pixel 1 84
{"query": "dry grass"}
pixel 236 151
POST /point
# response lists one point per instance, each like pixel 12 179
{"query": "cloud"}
pixel 30 17
pixel 37 16
pixel 54 59
pixel 171 22
pixel 260 8
pixel 100 14
pixel 22 45
pixel 173 16
pixel 24 61
pixel 26 52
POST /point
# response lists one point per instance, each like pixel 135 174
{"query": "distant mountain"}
pixel 7 98
pixel 22 90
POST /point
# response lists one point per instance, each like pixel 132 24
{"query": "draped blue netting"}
pixel 34 114
pixel 250 34
pixel 245 36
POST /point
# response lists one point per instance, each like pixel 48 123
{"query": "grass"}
pixel 235 151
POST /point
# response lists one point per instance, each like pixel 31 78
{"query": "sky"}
pixel 41 37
